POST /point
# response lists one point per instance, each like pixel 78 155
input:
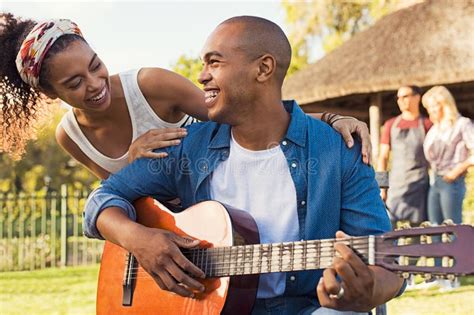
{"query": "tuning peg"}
pixel 406 225
pixel 427 276
pixel 448 222
pixel 425 224
pixel 405 275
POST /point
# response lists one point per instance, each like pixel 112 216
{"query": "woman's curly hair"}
pixel 22 107
pixel 19 102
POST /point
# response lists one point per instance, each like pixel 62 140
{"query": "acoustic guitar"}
pixel 233 258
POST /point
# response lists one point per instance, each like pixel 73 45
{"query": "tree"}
pixel 44 163
pixel 328 23
pixel 188 67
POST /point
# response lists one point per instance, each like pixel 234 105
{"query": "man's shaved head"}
pixel 259 36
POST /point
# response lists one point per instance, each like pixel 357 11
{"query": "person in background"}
pixel 403 138
pixel 449 148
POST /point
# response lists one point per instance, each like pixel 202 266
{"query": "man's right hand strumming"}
pixel 156 250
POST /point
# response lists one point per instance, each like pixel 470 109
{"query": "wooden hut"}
pixel 430 43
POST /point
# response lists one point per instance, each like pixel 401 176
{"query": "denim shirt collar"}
pixel 296 132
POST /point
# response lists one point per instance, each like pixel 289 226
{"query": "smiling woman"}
pixel 114 119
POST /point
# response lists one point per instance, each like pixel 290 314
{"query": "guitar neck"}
pixel 276 257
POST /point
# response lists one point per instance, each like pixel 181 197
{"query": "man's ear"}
pixel 266 67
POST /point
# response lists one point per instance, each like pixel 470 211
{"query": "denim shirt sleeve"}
pixel 144 177
pixel 362 209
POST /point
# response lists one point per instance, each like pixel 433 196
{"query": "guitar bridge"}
pixel 129 278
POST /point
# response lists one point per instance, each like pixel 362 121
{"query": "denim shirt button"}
pixel 303 202
pixel 293 165
pixel 292 278
pixel 284 142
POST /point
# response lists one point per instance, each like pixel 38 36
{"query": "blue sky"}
pixel 133 34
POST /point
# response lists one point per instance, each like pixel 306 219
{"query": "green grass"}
pixel 49 291
pixel 433 302
pixel 72 291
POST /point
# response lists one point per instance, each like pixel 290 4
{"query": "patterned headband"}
pixel 36 45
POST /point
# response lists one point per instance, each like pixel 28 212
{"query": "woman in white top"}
pixel 114 119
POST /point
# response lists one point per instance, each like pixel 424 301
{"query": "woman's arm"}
pixel 459 169
pixel 172 92
pixel 75 152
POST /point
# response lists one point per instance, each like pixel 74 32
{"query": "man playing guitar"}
pixel 292 173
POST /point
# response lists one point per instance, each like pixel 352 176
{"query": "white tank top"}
pixel 141 114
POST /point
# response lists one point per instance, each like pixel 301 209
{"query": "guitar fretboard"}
pixel 276 257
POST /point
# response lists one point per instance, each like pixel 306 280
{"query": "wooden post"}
pixel 44 205
pixel 10 232
pixel 85 240
pixel 33 240
pixel 375 117
pixel 63 225
pixel 54 209
pixel 21 230
pixel 75 232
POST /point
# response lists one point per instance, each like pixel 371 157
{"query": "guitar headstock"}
pixel 414 250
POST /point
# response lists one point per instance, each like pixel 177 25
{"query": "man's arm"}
pixel 109 214
pixel 382 161
pixel 362 213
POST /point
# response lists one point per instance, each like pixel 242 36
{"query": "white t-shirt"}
pixel 260 183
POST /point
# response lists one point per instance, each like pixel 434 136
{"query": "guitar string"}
pixel 273 265
pixel 241 253
pixel 238 251
pixel 142 274
pixel 245 258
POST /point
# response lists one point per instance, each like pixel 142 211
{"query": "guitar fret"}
pixel 239 260
pixel 232 261
pixel 202 259
pixel 270 258
pixel 280 253
pixel 305 248
pixel 205 265
pixel 252 258
pixel 292 256
pixel 318 250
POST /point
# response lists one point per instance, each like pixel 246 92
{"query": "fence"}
pixel 44 229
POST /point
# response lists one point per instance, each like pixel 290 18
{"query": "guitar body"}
pixel 209 221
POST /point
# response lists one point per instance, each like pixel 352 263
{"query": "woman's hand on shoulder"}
pixel 153 139
pixel 346 126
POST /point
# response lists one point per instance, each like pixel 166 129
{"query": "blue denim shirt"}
pixel 335 190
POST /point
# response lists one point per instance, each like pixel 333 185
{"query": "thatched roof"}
pixel 425 44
